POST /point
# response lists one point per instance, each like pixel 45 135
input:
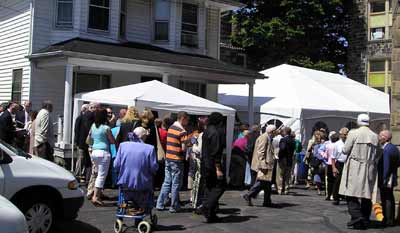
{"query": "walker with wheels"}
pixel 145 220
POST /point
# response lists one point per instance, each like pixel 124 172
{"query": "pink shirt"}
pixel 240 143
pixel 329 152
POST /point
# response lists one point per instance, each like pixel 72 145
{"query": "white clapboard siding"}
pixel 15 24
pixel 139 23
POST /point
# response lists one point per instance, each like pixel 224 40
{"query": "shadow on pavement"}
pixel 237 219
pixel 170 228
pixel 76 227
pixel 230 211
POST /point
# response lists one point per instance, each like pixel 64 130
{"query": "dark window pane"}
pixel 149 78
pixel 161 31
pixel 16 89
pixel 98 18
pixel 64 14
pixel 91 82
pixel 105 3
pixel 189 13
pixel 123 5
pixel 378 6
pixel 189 28
pixel 377 66
pixel 122 26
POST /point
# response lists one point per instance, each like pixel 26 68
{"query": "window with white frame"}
pixel 122 19
pixel 16 88
pixel 189 33
pixel 99 14
pixel 84 82
pixel 378 33
pixel 161 20
pixel 64 13
pixel 195 88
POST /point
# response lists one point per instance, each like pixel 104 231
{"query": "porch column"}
pixel 165 77
pixel 69 70
pixel 251 104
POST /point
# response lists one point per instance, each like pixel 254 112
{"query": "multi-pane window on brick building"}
pixel 379 19
pixel 380 74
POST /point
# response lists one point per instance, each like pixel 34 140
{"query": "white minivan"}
pixel 11 218
pixel 42 190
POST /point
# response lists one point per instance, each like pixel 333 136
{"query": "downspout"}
pixel 31 27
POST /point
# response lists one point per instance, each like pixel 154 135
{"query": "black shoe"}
pixel 247 199
pixel 270 205
pixel 335 202
pixel 214 219
pixel 357 224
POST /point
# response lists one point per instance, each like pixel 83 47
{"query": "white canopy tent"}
pixel 159 97
pixel 301 97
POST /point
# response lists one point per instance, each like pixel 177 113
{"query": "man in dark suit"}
pixel 387 176
pixel 7 127
pixel 21 120
pixel 286 152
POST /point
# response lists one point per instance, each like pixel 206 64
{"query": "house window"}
pixel 377 6
pixel 122 19
pixel 16 91
pixel 161 20
pixel 199 89
pixel 149 78
pixel 90 82
pixel 99 13
pixel 378 33
pixel 64 13
pixel 189 36
pixel 377 66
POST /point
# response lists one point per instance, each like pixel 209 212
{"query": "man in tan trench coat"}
pixel 263 164
pixel 359 176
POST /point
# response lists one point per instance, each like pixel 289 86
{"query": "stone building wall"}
pixel 356 66
pixel 379 49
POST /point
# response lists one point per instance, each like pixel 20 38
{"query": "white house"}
pixel 52 49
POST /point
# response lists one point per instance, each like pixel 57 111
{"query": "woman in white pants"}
pixel 101 136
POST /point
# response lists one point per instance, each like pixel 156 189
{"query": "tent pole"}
pixel 251 104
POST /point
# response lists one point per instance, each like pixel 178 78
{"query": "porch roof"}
pixel 144 54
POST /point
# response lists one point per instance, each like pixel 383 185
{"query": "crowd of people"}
pixel 28 130
pixel 139 151
pixel 353 166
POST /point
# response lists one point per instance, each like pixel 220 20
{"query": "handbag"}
pixel 160 150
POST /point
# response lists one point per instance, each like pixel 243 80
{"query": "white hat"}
pixel 363 119
pixel 331 133
pixel 140 132
pixel 270 128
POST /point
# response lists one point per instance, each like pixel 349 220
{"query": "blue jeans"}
pixel 172 183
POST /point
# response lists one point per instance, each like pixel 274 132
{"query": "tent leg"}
pixel 251 104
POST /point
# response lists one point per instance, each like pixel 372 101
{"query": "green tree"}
pixel 307 33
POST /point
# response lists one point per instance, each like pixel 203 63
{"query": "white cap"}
pixel 331 133
pixel 363 119
pixel 270 128
pixel 140 132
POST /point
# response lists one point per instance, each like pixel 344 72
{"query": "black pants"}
pixel 330 179
pixel 261 185
pixel 45 151
pixel 336 183
pixel 215 188
pixel 359 211
pixel 388 205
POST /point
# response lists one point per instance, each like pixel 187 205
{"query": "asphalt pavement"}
pixel 302 211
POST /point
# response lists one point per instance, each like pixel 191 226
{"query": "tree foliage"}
pixel 308 33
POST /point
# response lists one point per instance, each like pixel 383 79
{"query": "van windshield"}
pixel 17 151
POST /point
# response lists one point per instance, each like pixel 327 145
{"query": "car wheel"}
pixel 39 216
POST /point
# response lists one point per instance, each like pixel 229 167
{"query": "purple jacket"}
pixel 136 164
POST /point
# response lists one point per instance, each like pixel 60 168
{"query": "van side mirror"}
pixel 5 158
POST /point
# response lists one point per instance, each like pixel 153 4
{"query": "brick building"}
pixel 370 43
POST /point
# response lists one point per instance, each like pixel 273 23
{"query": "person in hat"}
pixel 262 164
pixel 136 165
pixel 360 172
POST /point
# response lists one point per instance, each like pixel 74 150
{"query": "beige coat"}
pixel 359 176
pixel 263 158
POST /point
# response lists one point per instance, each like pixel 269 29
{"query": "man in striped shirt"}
pixel 174 158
